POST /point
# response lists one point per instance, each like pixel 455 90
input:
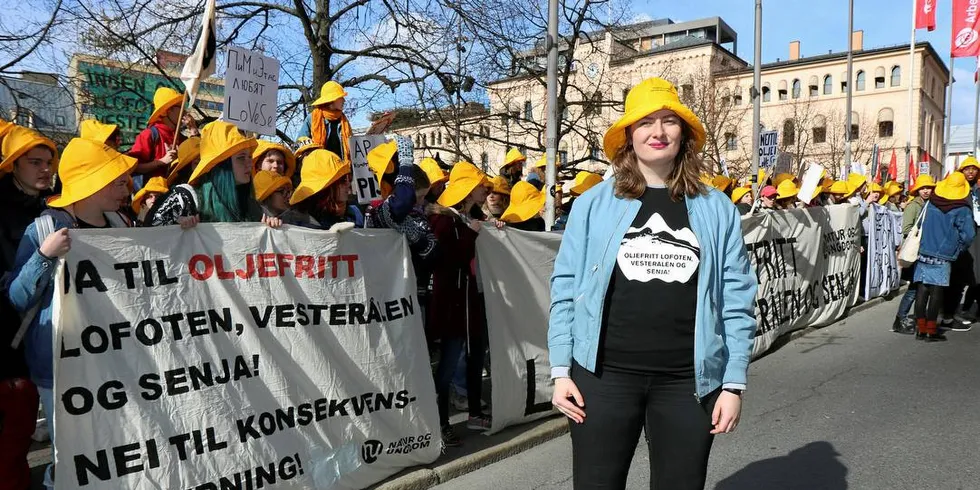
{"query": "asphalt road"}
pixel 849 406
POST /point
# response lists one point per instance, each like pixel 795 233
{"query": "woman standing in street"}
pixel 922 190
pixel 947 230
pixel 639 342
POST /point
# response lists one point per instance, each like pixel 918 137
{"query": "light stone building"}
pixel 803 97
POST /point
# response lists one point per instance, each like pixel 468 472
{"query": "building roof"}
pixel 842 55
pixel 50 105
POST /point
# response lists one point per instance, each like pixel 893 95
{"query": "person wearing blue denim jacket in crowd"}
pixel 652 304
pixel 95 179
pixel 947 230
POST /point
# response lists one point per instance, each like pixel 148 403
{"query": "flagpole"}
pixel 850 86
pixel 911 117
pixel 976 109
pixel 180 117
pixel 949 115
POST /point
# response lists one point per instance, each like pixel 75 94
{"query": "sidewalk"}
pixel 477 450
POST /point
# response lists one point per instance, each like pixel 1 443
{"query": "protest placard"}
pixel 364 182
pixel 768 149
pixel 251 89
pixel 236 356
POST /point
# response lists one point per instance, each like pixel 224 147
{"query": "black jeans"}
pixel 450 350
pixel 617 407
pixel 928 299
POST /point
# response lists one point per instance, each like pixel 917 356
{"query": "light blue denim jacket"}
pixel 725 318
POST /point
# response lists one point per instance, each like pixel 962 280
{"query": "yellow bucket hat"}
pixel 91 129
pixel 163 99
pixel 432 170
pixel 264 146
pixel 5 126
pixel 954 187
pixel 526 201
pixel 839 187
pixel 500 186
pixel 306 145
pixel 463 178
pixel 321 169
pixel 856 181
pixel 649 96
pixel 584 181
pixel 923 181
pixel 787 189
pixel 266 182
pixel 20 140
pixel 721 182
pixel 739 193
pixel 187 152
pixel 780 178
pixel 890 189
pixel 156 184
pixel 542 162
pixel 969 162
pixel 329 92
pixel 379 158
pixel 86 168
pixel 513 157
pixel 219 141
pixel 875 187
pixel 826 183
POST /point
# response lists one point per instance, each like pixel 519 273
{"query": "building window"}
pixel 59 120
pixel 783 95
pixel 860 81
pixel 432 139
pixel 731 141
pixel 766 96
pixel 439 137
pixel 819 135
pixel 879 82
pixel 886 129
pixel 484 161
pixel 528 111
pixel 737 100
pixel 797 89
pixel 855 132
pixel 595 153
pixel 562 158
pixel 789 133
pixel 896 76
pixel 687 92
pixel 843 87
pixel 828 85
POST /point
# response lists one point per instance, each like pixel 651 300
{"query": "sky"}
pixel 824 28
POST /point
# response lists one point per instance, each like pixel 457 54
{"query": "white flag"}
pixel 201 63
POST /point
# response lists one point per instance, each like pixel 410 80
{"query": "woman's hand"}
pixel 497 223
pixel 188 222
pixel 271 222
pixel 565 393
pixel 728 410
pixel 56 244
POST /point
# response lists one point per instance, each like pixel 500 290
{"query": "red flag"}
pixel 913 171
pixel 877 168
pixel 893 168
pixel 966 21
pixel 925 14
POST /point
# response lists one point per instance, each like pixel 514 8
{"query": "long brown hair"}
pixel 684 180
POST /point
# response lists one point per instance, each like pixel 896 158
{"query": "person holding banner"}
pixel 742 197
pixel 382 160
pixel 947 230
pixel 437 178
pixel 499 197
pixel 324 188
pixel 526 205
pixel 839 192
pixel 144 200
pixel 275 157
pixel 306 145
pixel 892 194
pixel 768 195
pixel 786 194
pixel 95 181
pixel 457 315
pixel 220 188
pixel 326 125
pixel 632 333
pixel 272 191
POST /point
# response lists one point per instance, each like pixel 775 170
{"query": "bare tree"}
pixel 713 104
pixel 863 137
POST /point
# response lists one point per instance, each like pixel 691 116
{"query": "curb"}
pixel 424 478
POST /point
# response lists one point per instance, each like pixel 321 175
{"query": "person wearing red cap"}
pixel 768 195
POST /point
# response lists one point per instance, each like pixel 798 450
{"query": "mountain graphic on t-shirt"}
pixel 657 251
pixel 657 230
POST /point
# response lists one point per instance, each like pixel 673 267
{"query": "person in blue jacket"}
pixel 652 304
pixel 947 230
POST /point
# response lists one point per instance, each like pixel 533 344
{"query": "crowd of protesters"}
pixel 178 174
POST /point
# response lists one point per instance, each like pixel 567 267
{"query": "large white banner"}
pixel 808 265
pixel 235 356
pixel 884 229
pixel 515 269
pixel 251 90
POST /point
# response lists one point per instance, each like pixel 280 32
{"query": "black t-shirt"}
pixel 84 225
pixel 648 321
